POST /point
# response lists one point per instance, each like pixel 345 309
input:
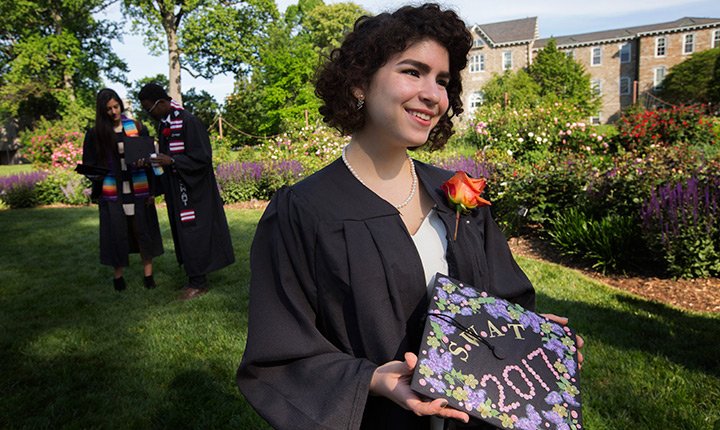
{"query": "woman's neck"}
pixel 380 160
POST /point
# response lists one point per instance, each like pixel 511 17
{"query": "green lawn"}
pixel 76 354
pixel 14 169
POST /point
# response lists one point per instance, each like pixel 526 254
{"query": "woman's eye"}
pixel 443 82
pixel 412 72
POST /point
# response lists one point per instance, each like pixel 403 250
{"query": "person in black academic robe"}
pixel 125 193
pixel 339 262
pixel 195 209
pixel 337 288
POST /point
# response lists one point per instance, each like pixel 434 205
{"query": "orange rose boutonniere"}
pixel 464 192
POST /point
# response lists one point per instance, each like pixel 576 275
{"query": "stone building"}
pixel 624 64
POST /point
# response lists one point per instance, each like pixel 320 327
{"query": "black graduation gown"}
pixel 118 238
pixel 195 209
pixel 337 288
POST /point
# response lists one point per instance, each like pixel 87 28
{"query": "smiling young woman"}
pixel 341 261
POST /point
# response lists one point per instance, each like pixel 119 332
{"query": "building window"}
pixel 624 86
pixel 478 43
pixel 477 63
pixel 595 120
pixel 660 46
pixel 570 53
pixel 596 59
pixel 688 44
pixel 658 77
pixel 476 99
pixel 625 53
pixel 716 39
pixel 596 86
pixel 507 60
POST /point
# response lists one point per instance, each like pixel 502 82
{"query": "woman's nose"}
pixel 430 91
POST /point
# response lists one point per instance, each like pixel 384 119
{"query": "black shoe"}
pixel 119 283
pixel 149 282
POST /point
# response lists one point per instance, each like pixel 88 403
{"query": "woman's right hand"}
pixel 392 380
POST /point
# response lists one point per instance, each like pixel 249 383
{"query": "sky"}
pixel 555 18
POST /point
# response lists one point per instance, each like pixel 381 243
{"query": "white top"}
pixel 431 243
pixel 128 208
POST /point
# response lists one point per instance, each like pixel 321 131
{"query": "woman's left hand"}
pixel 578 340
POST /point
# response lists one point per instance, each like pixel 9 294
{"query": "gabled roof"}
pixel 506 33
pixel 628 33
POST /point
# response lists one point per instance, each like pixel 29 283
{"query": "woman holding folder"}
pixel 124 191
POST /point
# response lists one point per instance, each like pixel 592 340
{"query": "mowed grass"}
pixel 14 169
pixel 76 354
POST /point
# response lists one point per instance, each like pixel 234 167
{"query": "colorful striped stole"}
pixel 140 185
pixel 129 127
pixel 109 187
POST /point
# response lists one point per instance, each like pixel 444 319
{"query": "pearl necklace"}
pixel 413 188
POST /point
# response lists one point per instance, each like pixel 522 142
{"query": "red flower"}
pixel 464 192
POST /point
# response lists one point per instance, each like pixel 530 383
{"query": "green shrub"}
pixel 20 191
pixel 682 220
pixel 533 134
pixel 610 243
pixel 640 129
pixel 256 180
pixel 52 143
pixel 65 187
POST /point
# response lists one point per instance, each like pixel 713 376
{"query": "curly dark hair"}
pixel 368 47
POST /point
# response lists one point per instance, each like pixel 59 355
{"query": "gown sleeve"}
pixel 291 373
pixel 196 162
pixel 89 158
pixel 504 271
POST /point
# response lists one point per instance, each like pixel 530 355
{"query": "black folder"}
pixel 137 148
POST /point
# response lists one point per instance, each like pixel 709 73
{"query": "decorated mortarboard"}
pixel 497 361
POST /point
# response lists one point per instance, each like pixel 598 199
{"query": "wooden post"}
pixel 220 126
pixel 635 92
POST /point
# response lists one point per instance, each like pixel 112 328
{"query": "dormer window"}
pixel 478 43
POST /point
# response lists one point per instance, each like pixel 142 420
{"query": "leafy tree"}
pixel 562 78
pixel 327 24
pixel 279 94
pixel 695 80
pixel 214 36
pixel 515 89
pixel 202 105
pixel 222 36
pixel 135 106
pixel 51 56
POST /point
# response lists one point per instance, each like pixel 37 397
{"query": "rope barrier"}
pixel 651 100
pixel 225 123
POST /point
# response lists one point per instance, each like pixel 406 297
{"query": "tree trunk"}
pixel 68 84
pixel 174 89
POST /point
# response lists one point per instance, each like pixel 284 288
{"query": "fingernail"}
pixel 443 403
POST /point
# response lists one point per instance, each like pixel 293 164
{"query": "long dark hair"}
pixel 104 133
